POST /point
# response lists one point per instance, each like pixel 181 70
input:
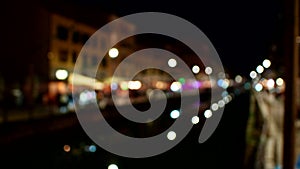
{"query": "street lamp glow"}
pixel 207 114
pixel 259 69
pixel 195 120
pixel 270 84
pixel 238 78
pixel 253 74
pixel 176 87
pixel 225 84
pixel 279 81
pixel 196 69
pixel 112 166
pixel 215 107
pixel 258 87
pixel 134 85
pixel 208 70
pixel 172 62
pixel 67 148
pixel 175 114
pixel 113 52
pixel 221 103
pixel 266 63
pixel 171 135
pixel 61 74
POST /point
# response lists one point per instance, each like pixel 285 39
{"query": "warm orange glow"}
pixel 67 148
pixel 161 85
pixel 61 87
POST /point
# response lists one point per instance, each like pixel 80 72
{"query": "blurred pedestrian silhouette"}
pixel 265 131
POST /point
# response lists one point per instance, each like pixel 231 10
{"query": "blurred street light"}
pixel 253 74
pixel 113 166
pixel 208 70
pixel 172 62
pixel 266 63
pixel 113 52
pixel 259 69
pixel 61 74
pixel 196 69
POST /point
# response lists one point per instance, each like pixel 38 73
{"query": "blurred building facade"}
pixel 66 40
pixel 73 43
pixel 39 40
pixel 45 41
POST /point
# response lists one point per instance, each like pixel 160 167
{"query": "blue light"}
pixel 92 148
pixel 175 114
pixel 220 82
pixel 114 86
pixel 224 93
pixel 247 86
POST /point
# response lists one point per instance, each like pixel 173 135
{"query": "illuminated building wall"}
pixel 67 38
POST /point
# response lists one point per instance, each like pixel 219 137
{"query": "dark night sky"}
pixel 241 31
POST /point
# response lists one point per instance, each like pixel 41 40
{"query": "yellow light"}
pixel 238 79
pixel 98 86
pixel 160 85
pixel 279 81
pixel 77 79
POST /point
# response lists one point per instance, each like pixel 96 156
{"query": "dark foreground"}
pixel 40 144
